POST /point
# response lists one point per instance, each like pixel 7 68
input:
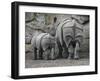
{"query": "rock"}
pixel 28 48
pixel 29 16
pixel 28 38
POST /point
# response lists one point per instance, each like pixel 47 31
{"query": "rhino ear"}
pixel 55 19
pixel 53 31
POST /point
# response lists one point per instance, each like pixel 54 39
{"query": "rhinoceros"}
pixel 69 35
pixel 43 46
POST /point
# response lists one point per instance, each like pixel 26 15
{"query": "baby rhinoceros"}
pixel 43 46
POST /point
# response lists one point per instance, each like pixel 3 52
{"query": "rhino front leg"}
pixel 76 51
pixel 65 52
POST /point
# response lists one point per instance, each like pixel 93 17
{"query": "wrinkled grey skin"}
pixel 69 38
pixel 43 46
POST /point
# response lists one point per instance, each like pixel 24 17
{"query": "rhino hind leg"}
pixel 65 53
pixel 76 51
pixel 59 49
pixel 34 53
pixel 45 55
pixel 53 54
pixel 38 54
pixel 71 51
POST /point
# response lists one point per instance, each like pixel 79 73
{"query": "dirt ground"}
pixel 29 63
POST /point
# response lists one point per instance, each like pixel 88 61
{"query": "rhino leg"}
pixel 53 55
pixel 59 49
pixel 34 53
pixel 76 51
pixel 38 54
pixel 45 56
pixel 71 51
pixel 34 47
pixel 65 52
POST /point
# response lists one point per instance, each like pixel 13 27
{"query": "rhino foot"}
pixel 76 58
pixel 70 56
pixel 65 54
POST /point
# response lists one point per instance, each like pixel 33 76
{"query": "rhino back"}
pixel 47 41
pixel 59 31
pixel 38 39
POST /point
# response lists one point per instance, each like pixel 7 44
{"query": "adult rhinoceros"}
pixel 69 38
